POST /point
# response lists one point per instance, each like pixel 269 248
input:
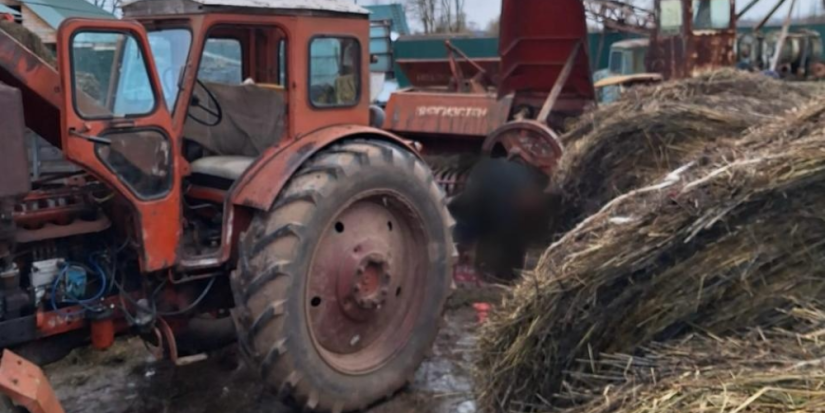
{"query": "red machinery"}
pixel 504 110
pixel 506 106
pixel 327 240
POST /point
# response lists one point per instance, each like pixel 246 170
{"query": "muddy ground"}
pixel 127 379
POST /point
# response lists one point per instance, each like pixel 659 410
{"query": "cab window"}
pixel 170 48
pixel 335 76
pixel 110 71
pixel 221 62
pixel 112 80
pixel 616 61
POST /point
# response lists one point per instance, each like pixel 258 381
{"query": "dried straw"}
pixel 652 131
pixel 761 371
pixel 729 240
pixel 30 40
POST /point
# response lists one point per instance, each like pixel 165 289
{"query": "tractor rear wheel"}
pixel 341 285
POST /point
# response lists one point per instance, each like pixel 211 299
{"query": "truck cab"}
pixel 626 67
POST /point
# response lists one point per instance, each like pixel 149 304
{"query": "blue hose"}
pixel 73 300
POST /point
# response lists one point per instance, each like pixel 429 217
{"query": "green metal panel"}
pixel 432 47
pixel 53 12
pixel 393 12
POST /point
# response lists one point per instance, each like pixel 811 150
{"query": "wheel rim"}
pixel 366 282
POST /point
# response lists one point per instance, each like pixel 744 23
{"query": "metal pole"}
pixel 779 47
pixel 35 155
pixel 747 9
pixel 764 21
pixel 560 83
pixel 598 58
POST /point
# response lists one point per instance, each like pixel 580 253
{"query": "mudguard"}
pixel 261 184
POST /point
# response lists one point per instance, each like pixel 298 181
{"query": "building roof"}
pixel 336 6
pixel 8 10
pixel 53 12
pixel 393 12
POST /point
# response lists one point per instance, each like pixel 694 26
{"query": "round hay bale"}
pixel 728 241
pixel 654 130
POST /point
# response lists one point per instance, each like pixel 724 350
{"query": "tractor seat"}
pixel 219 171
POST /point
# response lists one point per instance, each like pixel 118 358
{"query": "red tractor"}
pixel 227 169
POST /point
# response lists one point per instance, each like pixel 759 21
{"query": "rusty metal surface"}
pixel 263 181
pixel 158 220
pixel 621 16
pixel 39 84
pixel 14 165
pixel 428 73
pixel 532 142
pixel 365 283
pixel 26 385
pixel 684 53
pixel 52 323
pixel 439 114
pixel 57 206
pixel 53 231
pixel 535 44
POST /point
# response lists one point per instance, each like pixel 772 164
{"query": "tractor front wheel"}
pixel 341 285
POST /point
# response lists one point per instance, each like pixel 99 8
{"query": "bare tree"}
pixel 425 12
pixel 460 16
pixel 112 6
pixel 439 16
pixel 494 27
pixel 446 21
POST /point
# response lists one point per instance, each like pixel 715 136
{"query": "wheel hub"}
pixel 363 289
pixel 371 284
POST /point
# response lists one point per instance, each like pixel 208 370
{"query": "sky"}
pixel 483 11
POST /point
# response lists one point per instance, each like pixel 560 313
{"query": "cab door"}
pixel 115 124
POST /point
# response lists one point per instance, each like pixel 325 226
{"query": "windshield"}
pixel 170 48
pixel 110 69
pixel 616 61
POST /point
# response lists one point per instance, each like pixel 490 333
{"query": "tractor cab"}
pixel 174 104
pixel 226 169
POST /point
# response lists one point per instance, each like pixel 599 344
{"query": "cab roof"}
pixel 137 8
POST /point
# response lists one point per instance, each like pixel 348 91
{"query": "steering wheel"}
pixel 216 113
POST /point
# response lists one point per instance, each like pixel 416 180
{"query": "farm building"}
pixel 43 17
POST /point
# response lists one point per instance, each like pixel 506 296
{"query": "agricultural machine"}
pixel 231 188
pixel 487 125
pixel 682 37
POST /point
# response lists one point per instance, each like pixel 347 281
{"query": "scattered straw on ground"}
pixel 730 240
pixel 652 130
pixel 762 371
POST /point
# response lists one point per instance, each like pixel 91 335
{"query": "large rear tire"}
pixel 341 285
